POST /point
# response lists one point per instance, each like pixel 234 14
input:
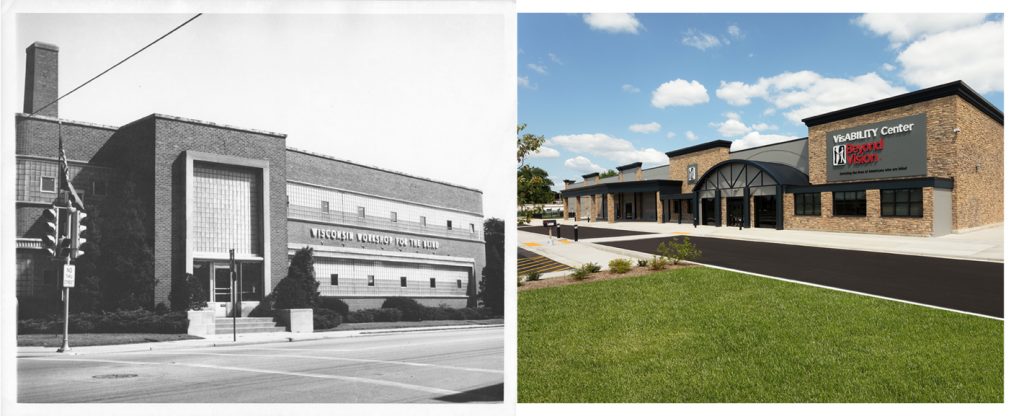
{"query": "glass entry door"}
pixel 221 283
pixel 734 211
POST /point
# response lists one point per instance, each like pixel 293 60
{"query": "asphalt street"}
pixel 446 366
pixel 971 286
pixel 585 232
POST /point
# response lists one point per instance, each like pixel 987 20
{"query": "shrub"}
pixel 365 315
pixel 325 318
pixel 138 320
pixel 265 309
pixel 620 265
pixel 591 267
pixel 388 315
pixel 39 306
pixel 641 263
pixel 411 310
pixel 300 288
pixel 580 274
pixel 334 304
pixel 679 252
pixel 658 263
pixel 533 276
pixel 187 293
pixel 161 308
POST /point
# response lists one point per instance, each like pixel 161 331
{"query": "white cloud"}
pixel 670 135
pixel 764 126
pixel 544 152
pixel 613 22
pixel 652 127
pixel 611 148
pixel 973 54
pixel 630 88
pixel 691 136
pixel 554 58
pixel 900 28
pixel 538 68
pixel 732 126
pixel 754 139
pixel 700 40
pixel 524 81
pixel 888 67
pixel 582 165
pixel 805 93
pixel 734 31
pixel 679 92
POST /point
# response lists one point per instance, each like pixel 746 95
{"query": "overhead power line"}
pixel 117 64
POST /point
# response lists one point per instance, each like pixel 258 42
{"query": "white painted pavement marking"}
pixel 320 357
pixel 275 372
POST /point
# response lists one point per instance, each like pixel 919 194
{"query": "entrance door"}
pixel 221 283
pixel 764 211
pixel 734 211
pixel 707 211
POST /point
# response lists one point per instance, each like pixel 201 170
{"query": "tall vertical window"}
pixel 449 224
pixel 394 216
pixel 423 221
pixel 472 228
pixel 48 184
pixel 369 280
pixel 403 281
pixel 902 203
pixel 362 212
pixel 433 282
pixel 227 209
pixel 334 279
pixel 458 283
pixel 849 203
pixel 807 204
pixel 325 206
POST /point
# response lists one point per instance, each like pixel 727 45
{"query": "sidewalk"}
pixel 980 245
pixel 575 254
pixel 224 340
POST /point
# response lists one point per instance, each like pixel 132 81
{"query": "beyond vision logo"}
pixel 839 155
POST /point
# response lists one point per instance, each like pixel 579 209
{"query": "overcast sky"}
pixel 611 89
pixel 425 94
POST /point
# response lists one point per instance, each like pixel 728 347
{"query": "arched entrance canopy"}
pixel 737 181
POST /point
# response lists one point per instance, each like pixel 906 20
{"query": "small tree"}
pixel 299 289
pixel 679 252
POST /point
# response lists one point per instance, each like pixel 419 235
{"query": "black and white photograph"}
pixel 258 206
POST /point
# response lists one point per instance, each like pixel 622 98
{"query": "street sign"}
pixel 69 275
pixel 550 223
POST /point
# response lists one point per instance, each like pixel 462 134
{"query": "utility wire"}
pixel 117 64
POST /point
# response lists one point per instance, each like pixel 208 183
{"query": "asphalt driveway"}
pixel 971 286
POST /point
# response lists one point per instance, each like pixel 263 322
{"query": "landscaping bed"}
pixel 86 340
pixel 593 277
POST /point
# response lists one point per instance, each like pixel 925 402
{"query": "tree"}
pixel 125 263
pixel 526 143
pixel 609 173
pixel 299 289
pixel 534 186
pixel 492 286
pixel 87 295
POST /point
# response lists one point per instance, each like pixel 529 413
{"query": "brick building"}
pixel 208 188
pixel 928 162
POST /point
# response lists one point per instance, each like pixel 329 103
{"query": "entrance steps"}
pixel 246 325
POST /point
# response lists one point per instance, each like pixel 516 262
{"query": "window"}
pixel 99 188
pixel 325 206
pixel 433 282
pixel 362 212
pixel 334 279
pixel 902 203
pixel 472 228
pixel 808 204
pixel 369 280
pixel 449 224
pixel 458 283
pixel 48 184
pixel 394 216
pixel 403 281
pixel 852 203
pixel 423 221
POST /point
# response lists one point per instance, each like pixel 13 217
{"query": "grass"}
pixel 87 340
pixel 706 335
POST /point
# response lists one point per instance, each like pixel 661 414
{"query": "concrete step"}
pixel 246 325
pixel 240 330
pixel 219 320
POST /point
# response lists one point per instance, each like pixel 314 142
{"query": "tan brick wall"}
pixel 611 208
pixel 941 115
pixel 977 169
pixel 704 159
pixel 873 223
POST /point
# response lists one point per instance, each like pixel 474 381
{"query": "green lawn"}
pixel 87 340
pixel 707 335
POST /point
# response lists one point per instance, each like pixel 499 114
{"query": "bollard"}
pixel 575 233
pixel 558 231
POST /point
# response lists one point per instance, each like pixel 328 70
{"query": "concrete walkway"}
pixel 983 245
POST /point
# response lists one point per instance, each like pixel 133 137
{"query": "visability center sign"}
pixel 888 149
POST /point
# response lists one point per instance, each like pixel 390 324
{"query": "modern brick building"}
pixel 208 188
pixel 928 162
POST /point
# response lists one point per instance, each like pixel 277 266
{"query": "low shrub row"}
pixel 133 321
pixel 425 313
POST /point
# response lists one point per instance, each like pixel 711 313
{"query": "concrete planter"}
pixel 295 320
pixel 201 323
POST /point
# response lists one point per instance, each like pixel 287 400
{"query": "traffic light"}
pixel 77 233
pixel 52 237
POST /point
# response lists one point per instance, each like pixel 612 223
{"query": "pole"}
pixel 234 307
pixel 576 233
pixel 65 347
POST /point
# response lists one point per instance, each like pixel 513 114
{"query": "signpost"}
pixel 549 224
pixel 234 303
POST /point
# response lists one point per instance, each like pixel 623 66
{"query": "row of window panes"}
pixel 895 203
pixel 49 184
pixel 403 282
pixel 325 207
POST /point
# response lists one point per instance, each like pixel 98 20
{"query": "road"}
pixel 446 366
pixel 971 286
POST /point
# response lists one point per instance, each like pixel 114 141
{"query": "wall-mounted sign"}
pixel 370 238
pixel 691 173
pixel 889 149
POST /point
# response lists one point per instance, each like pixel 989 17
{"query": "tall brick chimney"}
pixel 41 78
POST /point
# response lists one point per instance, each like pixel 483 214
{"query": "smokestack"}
pixel 41 78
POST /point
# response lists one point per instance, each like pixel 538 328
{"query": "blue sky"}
pixel 607 90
